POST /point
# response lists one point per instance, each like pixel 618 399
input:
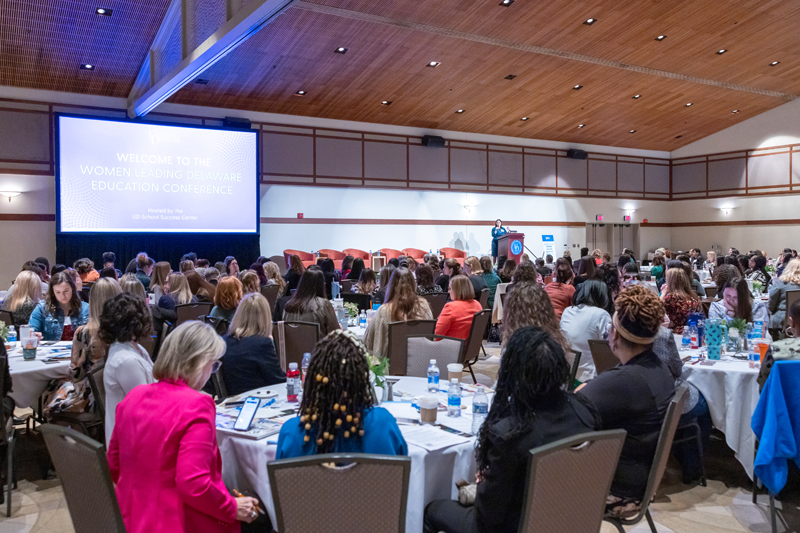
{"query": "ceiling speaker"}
pixel 433 141
pixel 576 154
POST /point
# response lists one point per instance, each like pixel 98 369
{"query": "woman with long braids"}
pixel 339 411
pixel 530 409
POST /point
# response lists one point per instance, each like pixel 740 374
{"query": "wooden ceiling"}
pixel 545 45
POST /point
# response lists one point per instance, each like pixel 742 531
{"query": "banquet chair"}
pixel 220 390
pixel 357 253
pixel 483 298
pixel 398 345
pixel 602 355
pixel 8 438
pixel 270 292
pixel 503 298
pixel 363 301
pixel 423 348
pixel 474 342
pixel 791 298
pixel 576 362
pixel 436 302
pixel 7 318
pixel 295 339
pixel 711 293
pixel 186 312
pixel 91 423
pixel 568 481
pixel 347 285
pixel 414 253
pixel 83 470
pixel 548 280
pixel 307 492
pixel 280 261
pixel 220 325
pixel 663 448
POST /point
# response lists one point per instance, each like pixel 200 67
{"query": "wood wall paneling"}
pixel 795 167
pixel 766 170
pixel 602 175
pixel 689 177
pixel 572 173
pixel 505 168
pixel 428 164
pixel 468 166
pixel 385 160
pixel 24 136
pixel 288 154
pixel 339 157
pixel 630 176
pixel 540 171
pixel 727 174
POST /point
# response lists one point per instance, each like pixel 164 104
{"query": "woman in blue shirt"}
pixel 497 231
pixel 339 412
pixel 61 312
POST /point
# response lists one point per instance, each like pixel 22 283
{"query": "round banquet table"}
pixel 731 389
pixel 703 275
pixel 30 378
pixel 433 473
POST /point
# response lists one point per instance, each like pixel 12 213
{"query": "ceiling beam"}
pixel 176 58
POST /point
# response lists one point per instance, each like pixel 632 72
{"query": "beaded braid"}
pixel 337 390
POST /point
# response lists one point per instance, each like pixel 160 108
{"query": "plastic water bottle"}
pixel 480 409
pixel 12 337
pixel 695 338
pixel 304 367
pixel 686 341
pixel 362 319
pixel 292 383
pixel 454 399
pixel 433 377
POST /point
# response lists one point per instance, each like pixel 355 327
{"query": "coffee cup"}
pixel 455 370
pixel 428 406
pixel 25 332
pixel 29 347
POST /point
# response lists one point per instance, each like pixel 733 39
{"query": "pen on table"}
pixel 238 494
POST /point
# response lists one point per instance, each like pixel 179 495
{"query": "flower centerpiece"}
pixel 4 331
pixel 378 367
pixel 771 269
pixel 736 333
pixel 351 308
pixel 757 286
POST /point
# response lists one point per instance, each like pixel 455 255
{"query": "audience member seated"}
pixel 608 274
pixel 44 265
pixel 402 304
pixel 394 261
pixel 560 290
pixel 586 270
pixel 379 295
pixel 788 281
pixel 758 270
pixel 258 268
pixel 124 322
pixel 309 303
pixel 597 255
pixel 425 282
pixel 85 269
pixel 711 261
pixel 25 297
pixel 450 267
pixel 220 266
pixel 455 320
pixel 61 312
pixel 339 412
pixel 568 256
pixel 657 272
pixel 473 270
pixel 523 273
pixel 587 319
pixel 329 271
pixel 721 276
pixel 158 281
pixel 634 395
pixel 293 275
pixel 30 266
pixel 355 271
pixel 679 299
pixel 743 262
pixel 226 300
pixel 529 305
pixel 130 284
pixel 211 275
pixel 347 266
pixel 201 288
pixel 630 275
pixel 542 269
pixel 506 271
pixel 177 456
pixel 492 280
pixel 144 267
pixel 250 360
pixel 530 409
pixel 367 282
pixel 75 394
pixel 232 266
pixel 109 272
pixel 737 302
pixel 178 292
pixel 694 279
pixel 274 277
pixel 250 282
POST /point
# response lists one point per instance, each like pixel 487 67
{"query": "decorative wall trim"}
pixel 417 222
pixel 781 222
pixel 26 217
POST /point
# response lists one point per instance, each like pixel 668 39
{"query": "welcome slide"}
pixel 116 176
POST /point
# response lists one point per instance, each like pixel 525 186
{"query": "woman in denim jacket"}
pixel 61 312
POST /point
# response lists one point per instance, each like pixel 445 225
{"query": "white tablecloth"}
pixel 703 275
pixel 30 378
pixel 497 309
pixel 433 474
pixel 731 390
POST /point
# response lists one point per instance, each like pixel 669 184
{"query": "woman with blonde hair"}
pixel 178 292
pixel 158 281
pixel 274 276
pixel 25 298
pixel 402 304
pixel 251 361
pixel 711 261
pixel 130 284
pixel 250 282
pixel 455 319
pixel 597 255
pixel 789 281
pixel 227 298
pixel 679 299
pixel 473 270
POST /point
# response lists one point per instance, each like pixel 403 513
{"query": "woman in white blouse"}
pixel 737 302
pixel 586 319
pixel 124 322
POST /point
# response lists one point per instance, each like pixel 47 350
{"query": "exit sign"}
pixel 599 218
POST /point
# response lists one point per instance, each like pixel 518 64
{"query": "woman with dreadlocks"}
pixel 633 395
pixel 339 410
pixel 530 408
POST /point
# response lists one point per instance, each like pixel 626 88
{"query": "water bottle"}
pixel 686 341
pixel 433 377
pixel 454 399
pixel 12 337
pixel 480 409
pixel 304 367
pixel 292 383
pixel 694 336
pixel 362 319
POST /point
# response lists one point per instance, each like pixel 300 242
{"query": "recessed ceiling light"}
pixel 577 87
pixel 201 81
pixel 506 3
pixel 510 77
pixel 721 52
pixel 735 111
pixel 637 96
pixel 300 93
pixel 386 102
pixel 632 131
pixel 581 125
pixel 460 111
pixel 589 22
pixel 341 50
pixel 87 66
pixel 433 64
pixel 524 118
pixel 678 136
pixel 104 11
pixel 687 105
pixel 661 37
pixel 774 63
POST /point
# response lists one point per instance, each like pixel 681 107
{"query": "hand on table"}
pixel 246 509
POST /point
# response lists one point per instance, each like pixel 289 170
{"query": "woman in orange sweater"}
pixel 455 319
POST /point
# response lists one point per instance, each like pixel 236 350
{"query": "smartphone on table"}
pixel 247 414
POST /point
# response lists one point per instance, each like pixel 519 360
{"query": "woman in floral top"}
pixel 679 299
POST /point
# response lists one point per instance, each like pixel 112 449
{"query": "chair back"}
pixel 186 312
pixel 436 301
pixel 363 301
pixel 414 253
pixel 391 253
pixel 83 470
pixel 220 390
pixel 295 339
pixel 280 261
pixel 576 362
pixel 472 346
pixel 711 292
pixel 270 292
pixel 220 325
pixel 149 344
pixel 791 298
pixel 503 298
pixel 548 280
pixel 483 298
pixel 568 481
pixel 423 348
pixel 7 318
pixel 356 253
pixel 347 285
pixel 95 377
pixel 275 334
pixel 398 345
pixel 4 426
pixel 602 355
pixel 307 492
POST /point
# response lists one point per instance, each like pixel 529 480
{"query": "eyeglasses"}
pixel 215 366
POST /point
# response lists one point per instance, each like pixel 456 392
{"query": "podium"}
pixel 512 245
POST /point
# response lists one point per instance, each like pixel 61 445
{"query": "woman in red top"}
pixel 561 291
pixel 455 319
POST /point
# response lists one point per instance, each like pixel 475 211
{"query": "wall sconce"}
pixel 10 194
pixel 726 210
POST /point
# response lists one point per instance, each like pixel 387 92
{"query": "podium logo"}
pixel 516 247
pixel 166 137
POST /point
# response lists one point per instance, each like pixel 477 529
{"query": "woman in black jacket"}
pixel 294 274
pixel 529 409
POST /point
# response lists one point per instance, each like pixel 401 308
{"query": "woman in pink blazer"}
pixel 163 454
pixel 455 319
